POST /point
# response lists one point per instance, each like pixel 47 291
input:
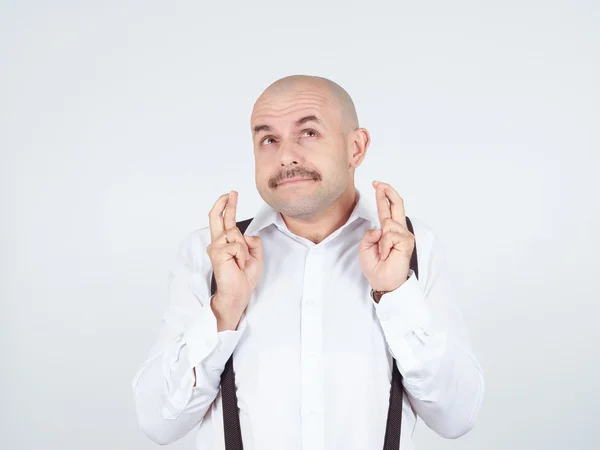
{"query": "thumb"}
pixel 254 246
pixel 370 238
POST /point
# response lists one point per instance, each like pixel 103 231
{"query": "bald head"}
pixel 306 128
pixel 332 92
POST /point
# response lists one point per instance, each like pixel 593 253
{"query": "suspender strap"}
pixel 231 418
pixel 394 418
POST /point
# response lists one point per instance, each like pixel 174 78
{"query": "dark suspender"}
pixel 231 419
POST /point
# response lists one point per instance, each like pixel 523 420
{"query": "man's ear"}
pixel 359 141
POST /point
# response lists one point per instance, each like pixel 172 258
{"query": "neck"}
pixel 319 227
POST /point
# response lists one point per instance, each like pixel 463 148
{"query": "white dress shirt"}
pixel 313 351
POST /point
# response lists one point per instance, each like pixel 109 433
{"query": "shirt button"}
pixel 312 353
pixel 385 317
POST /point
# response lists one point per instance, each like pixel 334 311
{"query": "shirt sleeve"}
pixel 168 405
pixel 426 335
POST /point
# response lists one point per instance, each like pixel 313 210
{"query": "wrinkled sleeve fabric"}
pixel 427 337
pixel 168 405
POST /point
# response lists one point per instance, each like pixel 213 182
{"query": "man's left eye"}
pixel 311 131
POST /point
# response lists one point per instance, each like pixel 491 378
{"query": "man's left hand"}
pixel 384 253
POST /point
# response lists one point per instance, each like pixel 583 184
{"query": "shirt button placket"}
pixel 311 344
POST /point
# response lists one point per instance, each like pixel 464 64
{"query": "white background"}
pixel 121 123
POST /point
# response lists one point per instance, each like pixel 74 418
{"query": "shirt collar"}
pixel 266 215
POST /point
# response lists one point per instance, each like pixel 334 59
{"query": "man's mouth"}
pixel 294 180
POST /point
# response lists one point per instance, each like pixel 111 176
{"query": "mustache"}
pixel 296 172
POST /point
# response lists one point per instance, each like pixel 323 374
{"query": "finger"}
pixel 383 208
pixel 235 235
pixel 230 211
pixel 215 218
pixel 392 225
pixel 224 239
pixel 396 203
pixel 387 243
pixel 238 251
pixel 370 238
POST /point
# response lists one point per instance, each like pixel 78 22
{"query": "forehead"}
pixel 285 108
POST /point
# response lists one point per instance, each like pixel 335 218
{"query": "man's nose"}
pixel 289 153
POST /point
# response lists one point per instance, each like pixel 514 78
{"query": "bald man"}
pixel 331 321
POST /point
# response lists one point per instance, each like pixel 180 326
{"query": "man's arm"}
pixel 427 336
pixel 177 384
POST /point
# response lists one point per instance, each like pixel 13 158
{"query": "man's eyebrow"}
pixel 259 128
pixel 302 121
pixel 308 119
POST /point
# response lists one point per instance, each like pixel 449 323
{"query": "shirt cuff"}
pixel 205 344
pixel 403 310
pixel 228 340
pixel 201 337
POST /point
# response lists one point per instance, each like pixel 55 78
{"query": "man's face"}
pixel 299 133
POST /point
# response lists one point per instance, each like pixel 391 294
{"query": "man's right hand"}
pixel 237 264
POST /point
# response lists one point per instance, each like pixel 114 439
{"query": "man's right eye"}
pixel 265 139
